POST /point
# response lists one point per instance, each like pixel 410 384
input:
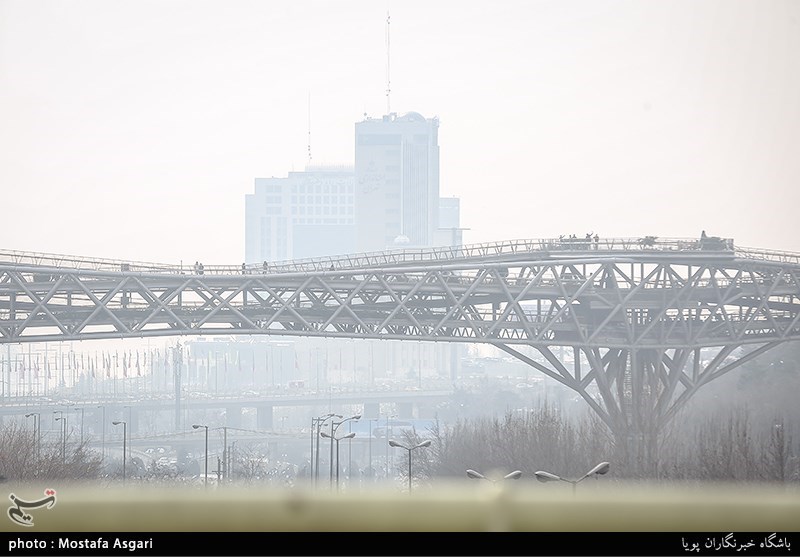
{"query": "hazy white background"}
pixel 133 129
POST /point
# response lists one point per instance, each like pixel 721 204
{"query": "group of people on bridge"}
pixel 590 241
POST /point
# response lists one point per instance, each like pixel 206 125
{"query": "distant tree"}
pixel 21 461
pixel 531 440
pixel 422 459
pixel 251 465
pixel 727 445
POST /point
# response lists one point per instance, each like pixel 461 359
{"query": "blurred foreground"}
pixel 483 506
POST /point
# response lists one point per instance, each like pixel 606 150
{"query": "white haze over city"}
pixel 133 130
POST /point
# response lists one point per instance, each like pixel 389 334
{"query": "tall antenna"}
pixel 309 128
pixel 388 68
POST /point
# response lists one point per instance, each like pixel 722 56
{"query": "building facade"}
pixel 389 199
pixel 397 181
pixel 307 214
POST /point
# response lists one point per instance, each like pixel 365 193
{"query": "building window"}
pixel 379 139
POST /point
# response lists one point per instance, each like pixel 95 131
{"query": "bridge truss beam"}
pixel 589 304
pixel 640 324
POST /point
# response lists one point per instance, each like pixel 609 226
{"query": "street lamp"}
pixel 37 433
pixel 205 475
pixel 337 439
pixel 82 413
pixel 316 426
pixel 515 475
pixel 393 443
pixel 63 419
pixel 124 446
pixel 334 426
pixel 371 469
pixel 60 414
pixel 598 470
pixel 223 472
pixel 103 438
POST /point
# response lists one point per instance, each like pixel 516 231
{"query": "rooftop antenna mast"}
pixel 388 67
pixel 309 128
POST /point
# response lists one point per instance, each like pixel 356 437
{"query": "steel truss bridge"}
pixel 640 315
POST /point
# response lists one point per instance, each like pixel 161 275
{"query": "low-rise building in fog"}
pixel 307 214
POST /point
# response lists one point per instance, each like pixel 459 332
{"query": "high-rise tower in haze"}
pixel 397 181
pixel 388 199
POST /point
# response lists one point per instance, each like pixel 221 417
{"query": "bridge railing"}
pixel 83 263
pixel 769 255
pixel 406 256
pixel 493 249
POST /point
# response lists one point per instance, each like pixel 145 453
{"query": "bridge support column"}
pixel 233 416
pixel 426 411
pixel 133 422
pixel 371 410
pixel 405 410
pixel 637 391
pixel 264 416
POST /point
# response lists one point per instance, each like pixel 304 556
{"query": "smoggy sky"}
pixel 134 129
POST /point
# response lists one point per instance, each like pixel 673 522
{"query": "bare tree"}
pixel 22 460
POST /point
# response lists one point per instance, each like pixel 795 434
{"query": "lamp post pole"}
pixel 63 419
pixel 103 438
pixel 337 439
pixel 205 474
pixel 224 454
pixel 313 428
pixel 37 434
pixel 316 426
pixel 124 447
pixel 334 426
pixel 349 454
pixel 61 425
pixel 129 420
pixel 371 469
pixel 82 415
pixel 598 470
pixel 388 436
pixel 393 443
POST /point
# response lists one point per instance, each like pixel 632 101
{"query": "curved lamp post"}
pixel 598 470
pixel 124 446
pixel 103 442
pixel 337 439
pixel 82 411
pixel 63 419
pixel 316 426
pixel 393 443
pixel 334 426
pixel 515 475
pixel 205 474
pixel 37 434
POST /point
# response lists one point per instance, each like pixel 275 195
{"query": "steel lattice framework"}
pixel 639 315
